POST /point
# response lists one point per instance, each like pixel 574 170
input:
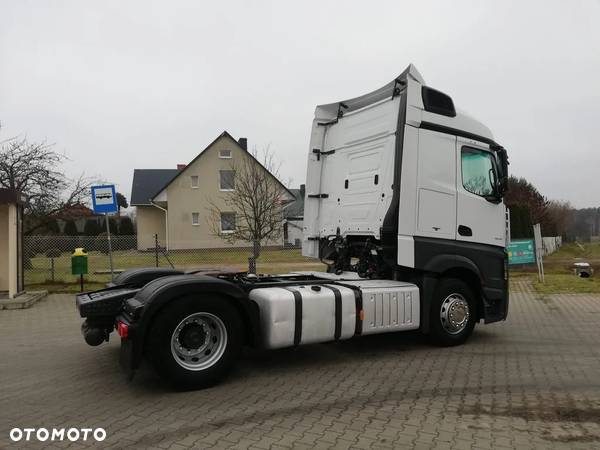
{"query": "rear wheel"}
pixel 194 342
pixel 453 313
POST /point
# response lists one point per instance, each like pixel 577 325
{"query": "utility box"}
pixel 583 269
pixel 79 262
pixel 11 243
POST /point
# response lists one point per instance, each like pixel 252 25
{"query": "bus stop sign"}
pixel 104 199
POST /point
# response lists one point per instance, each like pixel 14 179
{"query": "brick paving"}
pixel 530 382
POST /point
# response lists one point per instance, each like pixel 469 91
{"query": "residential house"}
pixel 175 204
pixel 149 218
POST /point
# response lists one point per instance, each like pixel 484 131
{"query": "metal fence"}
pixel 551 244
pixel 47 259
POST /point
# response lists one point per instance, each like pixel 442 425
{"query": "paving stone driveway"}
pixel 531 382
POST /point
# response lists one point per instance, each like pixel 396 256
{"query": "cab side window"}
pixel 478 176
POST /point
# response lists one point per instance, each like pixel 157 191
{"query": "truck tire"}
pixel 194 342
pixel 453 313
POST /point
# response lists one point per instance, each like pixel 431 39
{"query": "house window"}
pixel 225 154
pixel 227 180
pixel 227 222
pixel 195 218
pixel 194 179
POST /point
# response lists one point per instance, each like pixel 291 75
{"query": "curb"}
pixel 23 301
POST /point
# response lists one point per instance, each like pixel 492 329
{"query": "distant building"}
pixel 149 219
pixel 175 203
pixel 79 214
pixel 293 215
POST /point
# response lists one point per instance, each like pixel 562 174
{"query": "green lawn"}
pixel 39 275
pixel 562 260
pixel 558 270
pixel 567 283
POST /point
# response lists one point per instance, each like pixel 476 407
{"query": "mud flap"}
pixel 429 284
pixel 126 358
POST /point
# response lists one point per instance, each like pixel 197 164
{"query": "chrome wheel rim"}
pixel 454 313
pixel 199 341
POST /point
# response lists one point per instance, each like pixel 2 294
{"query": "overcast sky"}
pixel 119 85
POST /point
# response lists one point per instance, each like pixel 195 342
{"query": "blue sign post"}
pixel 104 201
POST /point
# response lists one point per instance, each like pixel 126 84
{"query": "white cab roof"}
pixel 462 121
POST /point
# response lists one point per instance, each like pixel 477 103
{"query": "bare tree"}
pixel 34 169
pixel 253 210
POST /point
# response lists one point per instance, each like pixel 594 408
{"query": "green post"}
pixel 79 264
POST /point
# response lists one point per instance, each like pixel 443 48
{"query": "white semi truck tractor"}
pixel 404 205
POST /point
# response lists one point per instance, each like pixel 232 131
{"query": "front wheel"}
pixel 453 313
pixel 194 342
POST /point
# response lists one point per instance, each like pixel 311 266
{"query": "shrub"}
pixel 92 228
pixel 71 228
pixel 126 227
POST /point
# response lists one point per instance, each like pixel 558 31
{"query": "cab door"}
pixel 436 185
pixel 480 217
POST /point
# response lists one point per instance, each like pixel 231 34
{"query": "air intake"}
pixel 437 102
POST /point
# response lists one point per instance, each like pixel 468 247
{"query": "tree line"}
pixel 94 227
pixel 556 217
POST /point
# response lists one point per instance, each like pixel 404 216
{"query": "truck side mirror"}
pixel 503 166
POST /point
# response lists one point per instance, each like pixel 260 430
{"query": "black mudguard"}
pixel 485 265
pixel 140 311
pixel 141 277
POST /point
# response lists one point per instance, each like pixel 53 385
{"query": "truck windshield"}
pixel 478 173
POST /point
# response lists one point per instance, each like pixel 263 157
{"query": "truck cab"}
pixel 402 185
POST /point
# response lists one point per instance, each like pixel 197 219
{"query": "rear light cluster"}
pixel 122 329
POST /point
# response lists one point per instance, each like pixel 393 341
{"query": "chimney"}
pixel 243 143
pixel 302 190
pixel 181 166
